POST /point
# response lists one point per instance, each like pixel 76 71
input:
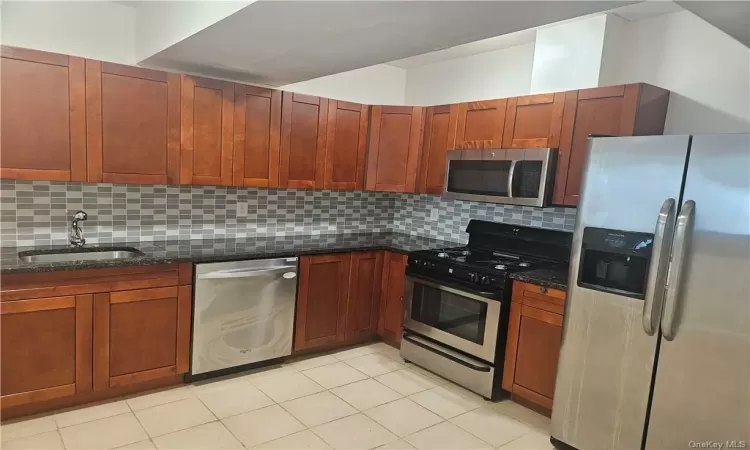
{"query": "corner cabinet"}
pixel 439 137
pixel 390 325
pixel 533 346
pixel 395 135
pixel 303 141
pixel 43 114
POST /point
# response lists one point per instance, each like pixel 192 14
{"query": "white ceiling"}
pixel 732 17
pixel 281 42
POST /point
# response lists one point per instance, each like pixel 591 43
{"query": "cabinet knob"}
pixel 543 290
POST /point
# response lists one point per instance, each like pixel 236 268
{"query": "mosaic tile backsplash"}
pixel 37 213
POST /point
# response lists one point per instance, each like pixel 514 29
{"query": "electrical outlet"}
pixel 433 214
pixel 241 209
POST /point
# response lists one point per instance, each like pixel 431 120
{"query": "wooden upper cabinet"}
pixel 46 349
pixel 132 124
pixel 43 113
pixel 439 137
pixel 257 131
pixel 392 297
pixel 207 129
pixel 346 143
pixel 626 110
pixel 395 135
pixel 364 294
pixel 141 335
pixel 534 121
pixel 303 140
pixel 322 300
pixel 480 124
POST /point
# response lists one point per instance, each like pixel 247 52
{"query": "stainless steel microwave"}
pixel 513 176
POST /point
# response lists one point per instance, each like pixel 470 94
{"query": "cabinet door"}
pixel 46 349
pixel 480 124
pixel 257 131
pixel 392 297
pixel 439 137
pixel 395 136
pixel 346 143
pixel 303 141
pixel 534 121
pixel 206 131
pixel 364 294
pixel 43 114
pixel 132 124
pixel 141 335
pixel 321 300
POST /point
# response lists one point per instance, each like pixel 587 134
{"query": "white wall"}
pixel 496 74
pixel 380 84
pixel 707 71
pixel 97 30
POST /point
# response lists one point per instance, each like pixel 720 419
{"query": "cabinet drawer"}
pixel 547 299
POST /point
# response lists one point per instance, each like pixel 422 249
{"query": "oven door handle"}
pixel 455 357
pixel 450 289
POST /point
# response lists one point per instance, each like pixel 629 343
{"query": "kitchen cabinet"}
pixel 46 348
pixel 534 121
pixel 206 131
pixel 257 131
pixel 364 294
pixel 132 124
pixel 322 297
pixel 395 134
pixel 391 320
pixel 303 141
pixel 346 143
pixel 439 137
pixel 43 113
pixel 626 110
pixel 533 345
pixel 141 335
pixel 481 124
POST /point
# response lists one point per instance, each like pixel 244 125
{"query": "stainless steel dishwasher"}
pixel 243 313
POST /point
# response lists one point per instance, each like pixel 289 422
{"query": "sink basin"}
pixel 72 255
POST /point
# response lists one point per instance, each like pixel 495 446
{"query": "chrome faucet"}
pixel 76 231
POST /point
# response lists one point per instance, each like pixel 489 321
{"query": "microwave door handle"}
pixel 674 279
pixel 511 174
pixel 656 282
pixel 223 274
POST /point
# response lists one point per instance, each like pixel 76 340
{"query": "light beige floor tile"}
pixel 262 425
pixel 334 375
pixel 212 435
pixel 217 383
pixel 448 400
pixel 396 445
pixel 523 414
pixel 533 440
pixel 27 427
pixel 270 371
pixel 110 432
pixel 438 379
pixel 286 387
pixel 355 352
pixel 44 441
pixel 318 408
pixel 403 417
pixel 366 394
pixel 375 364
pixel 142 445
pixel 382 346
pixel 175 416
pixel 407 381
pixel 446 436
pixel 156 398
pixel 392 353
pixel 89 413
pixel 315 361
pixel 354 432
pixel 232 399
pixel 302 440
pixel 491 426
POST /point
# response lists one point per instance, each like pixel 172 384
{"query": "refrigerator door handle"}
pixel 657 275
pixel 674 280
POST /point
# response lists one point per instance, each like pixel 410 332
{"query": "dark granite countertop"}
pixel 214 250
pixel 552 277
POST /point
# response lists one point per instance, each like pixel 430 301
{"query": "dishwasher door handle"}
pixel 246 273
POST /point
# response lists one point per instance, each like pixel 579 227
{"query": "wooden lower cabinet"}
pixel 391 321
pixel 533 346
pixel 364 295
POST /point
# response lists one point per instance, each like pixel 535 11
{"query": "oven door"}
pixel 465 321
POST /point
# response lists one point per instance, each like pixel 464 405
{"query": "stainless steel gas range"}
pixel 457 300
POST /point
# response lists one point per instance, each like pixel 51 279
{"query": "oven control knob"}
pixel 473 277
pixel 485 279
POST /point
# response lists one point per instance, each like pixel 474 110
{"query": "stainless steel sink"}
pixel 93 254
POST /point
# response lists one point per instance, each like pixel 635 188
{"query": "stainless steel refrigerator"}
pixel 656 341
